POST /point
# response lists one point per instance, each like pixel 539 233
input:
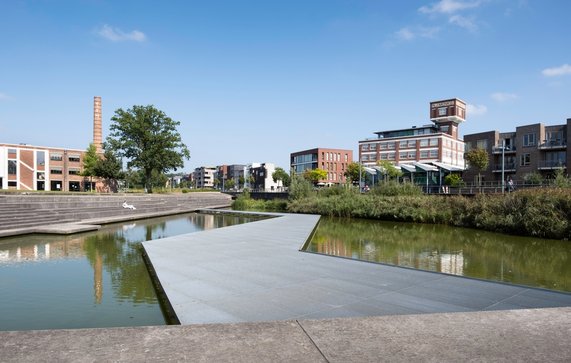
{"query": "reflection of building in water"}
pixel 208 221
pixel 68 248
pixel 452 263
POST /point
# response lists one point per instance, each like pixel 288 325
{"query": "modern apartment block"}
pixel 28 167
pixel 203 176
pixel 259 177
pixel 433 143
pixel 333 161
pixel 235 172
pixel 530 148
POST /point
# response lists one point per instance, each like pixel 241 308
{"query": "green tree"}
pixel 109 168
pixel 352 172
pixel 281 175
pixel 90 159
pixel 241 181
pixel 315 175
pixel 148 138
pixel 454 180
pixel 299 188
pixel 479 159
pixel 389 169
pixel 229 184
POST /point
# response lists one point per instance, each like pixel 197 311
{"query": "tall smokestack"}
pixel 97 133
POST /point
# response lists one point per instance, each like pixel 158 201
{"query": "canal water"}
pixel 458 251
pixel 88 280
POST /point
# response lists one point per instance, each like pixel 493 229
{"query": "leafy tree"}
pixel 241 181
pixel 352 172
pixel 299 188
pixel 454 180
pixel 315 175
pixel 533 178
pixel 479 159
pixel 389 169
pixel 148 138
pixel 90 159
pixel 109 168
pixel 229 184
pixel 281 175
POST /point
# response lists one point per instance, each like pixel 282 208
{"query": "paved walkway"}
pixel 255 272
pixel 506 336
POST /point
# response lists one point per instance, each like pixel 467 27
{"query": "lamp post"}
pixel 503 153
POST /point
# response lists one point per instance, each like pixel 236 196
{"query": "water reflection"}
pixel 458 251
pixel 93 279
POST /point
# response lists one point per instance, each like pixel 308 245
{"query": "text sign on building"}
pixel 442 104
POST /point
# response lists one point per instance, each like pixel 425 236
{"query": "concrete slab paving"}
pixel 255 272
pixel 536 335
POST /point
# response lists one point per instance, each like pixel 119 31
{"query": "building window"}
pixel 40 158
pixel 424 154
pixel 482 144
pixel 12 167
pixel 433 142
pixel 442 111
pixel 525 160
pixel 12 184
pixel 529 139
pixel 56 157
pixel 391 156
pixel 74 171
pixel 423 142
pixel 365 147
pixel 402 144
pixel 56 171
pixel 434 154
pixel 373 147
pixel 74 158
pixel 411 143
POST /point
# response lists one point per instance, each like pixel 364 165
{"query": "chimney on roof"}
pixel 97 129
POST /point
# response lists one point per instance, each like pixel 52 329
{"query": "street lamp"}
pixel 503 153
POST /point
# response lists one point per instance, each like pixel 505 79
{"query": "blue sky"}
pixel 253 81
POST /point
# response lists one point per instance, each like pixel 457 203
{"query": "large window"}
pixel 525 159
pixel 442 111
pixel 529 139
pixel 482 144
pixel 12 167
pixel 40 158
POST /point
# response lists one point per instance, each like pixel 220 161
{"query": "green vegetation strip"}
pixel 544 212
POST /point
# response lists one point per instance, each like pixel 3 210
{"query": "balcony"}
pixel 497 168
pixel 553 144
pixel 552 164
pixel 508 149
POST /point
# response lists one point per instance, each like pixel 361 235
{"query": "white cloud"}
pixel 557 71
pixel 503 97
pixel 405 34
pixel 117 35
pixel 463 22
pixel 449 6
pixel 476 110
pixel 408 34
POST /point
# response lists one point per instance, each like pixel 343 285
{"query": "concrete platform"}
pixel 255 272
pixel 507 336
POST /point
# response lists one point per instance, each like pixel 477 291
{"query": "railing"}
pixel 507 166
pixel 552 164
pixel 507 149
pixel 553 144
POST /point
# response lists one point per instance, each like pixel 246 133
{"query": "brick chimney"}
pixel 97 133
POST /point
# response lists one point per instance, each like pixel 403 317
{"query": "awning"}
pixel 447 167
pixel 425 167
pixel 408 167
pixel 369 170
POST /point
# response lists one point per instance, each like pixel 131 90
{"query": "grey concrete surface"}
pixel 65 214
pixel 540 335
pixel 255 272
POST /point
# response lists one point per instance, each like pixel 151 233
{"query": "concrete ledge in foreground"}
pixel 540 335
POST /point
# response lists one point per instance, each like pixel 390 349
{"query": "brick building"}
pixel 333 161
pixel 528 149
pixel 28 167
